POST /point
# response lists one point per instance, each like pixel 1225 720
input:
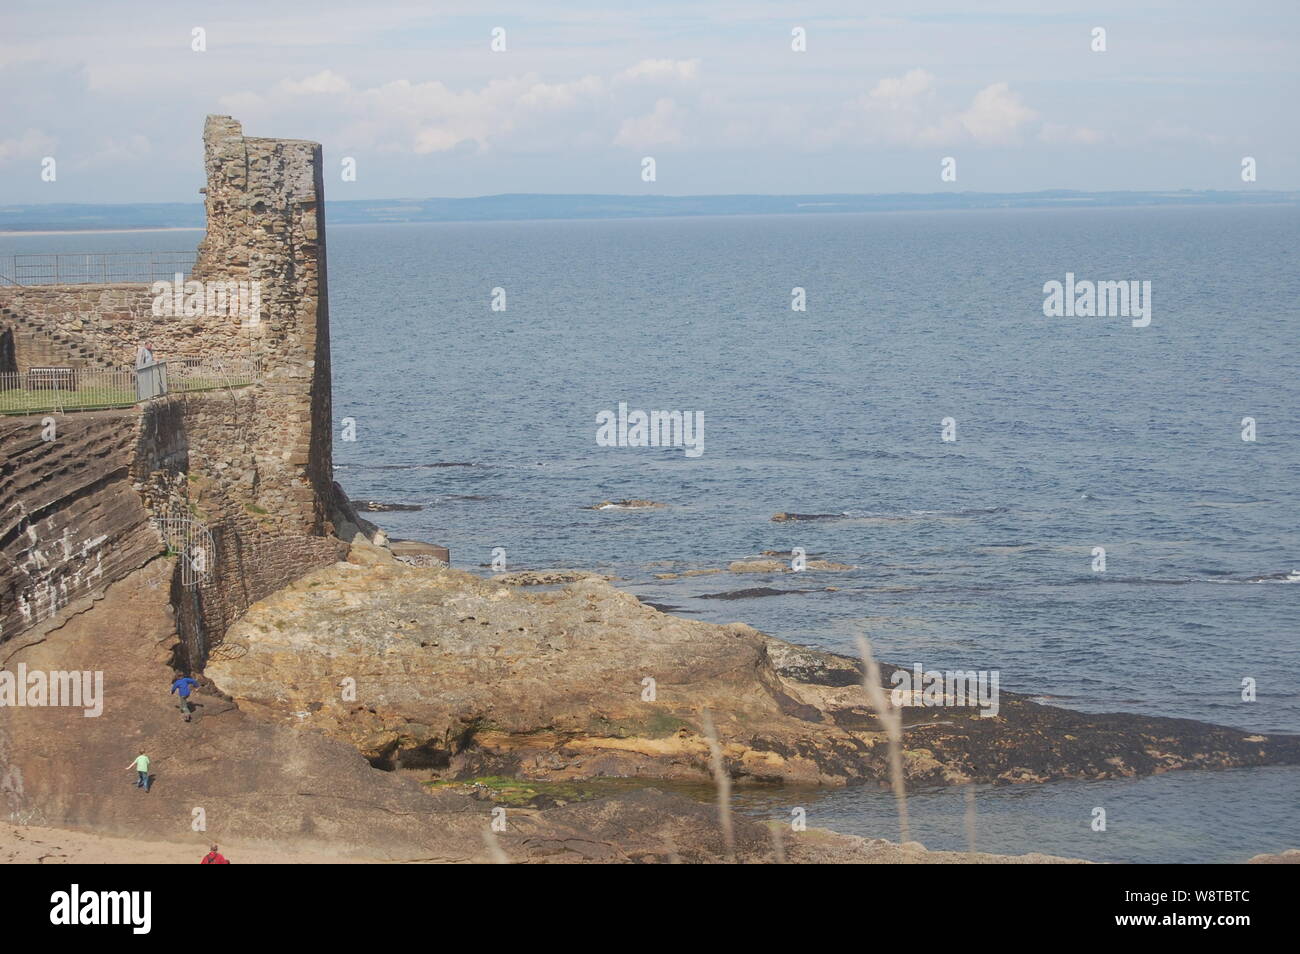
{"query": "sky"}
pixel 415 95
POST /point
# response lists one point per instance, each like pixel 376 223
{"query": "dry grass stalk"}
pixel 721 782
pixel 892 720
pixel 495 853
pixel 970 817
pixel 778 846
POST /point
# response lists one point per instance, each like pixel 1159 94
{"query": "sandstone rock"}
pixel 829 566
pixel 364 553
pixel 758 566
pixel 688 573
pixel 1288 857
pixel 418 553
pixel 546 577
pixel 469 677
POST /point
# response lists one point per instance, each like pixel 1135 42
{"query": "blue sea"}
pixel 978 553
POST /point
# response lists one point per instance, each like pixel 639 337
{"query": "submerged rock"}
pixel 758 566
pixel 749 593
pixel 686 573
pixel 776 566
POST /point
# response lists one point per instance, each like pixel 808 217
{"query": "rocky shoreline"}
pixel 526 696
pixel 469 677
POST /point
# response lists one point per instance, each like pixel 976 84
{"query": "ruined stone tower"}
pixel 266 222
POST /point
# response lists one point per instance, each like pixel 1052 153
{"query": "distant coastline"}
pixel 122 231
pixel 131 217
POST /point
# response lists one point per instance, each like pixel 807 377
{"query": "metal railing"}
pixel 40 390
pixel 192 543
pixel 91 268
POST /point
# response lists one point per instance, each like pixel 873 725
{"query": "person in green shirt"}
pixel 141 764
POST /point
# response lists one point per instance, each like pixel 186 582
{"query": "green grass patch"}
pixel 24 401
pixel 97 398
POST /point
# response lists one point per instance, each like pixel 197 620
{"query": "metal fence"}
pixel 40 390
pixel 86 268
pixel 192 544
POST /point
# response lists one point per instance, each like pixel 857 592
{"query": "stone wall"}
pixel 196 461
pixel 265 210
pixel 108 322
pixel 251 465
pixel 82 493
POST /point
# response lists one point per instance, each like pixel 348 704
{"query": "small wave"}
pixel 1210 577
pixel 892 515
pixel 1292 576
pixel 913 514
pixel 429 466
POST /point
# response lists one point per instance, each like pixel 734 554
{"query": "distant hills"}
pixel 493 208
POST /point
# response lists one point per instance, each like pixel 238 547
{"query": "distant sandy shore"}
pixel 182 228
pixel 29 845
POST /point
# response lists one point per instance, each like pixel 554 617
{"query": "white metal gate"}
pixel 193 545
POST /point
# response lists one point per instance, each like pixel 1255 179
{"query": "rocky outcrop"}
pixel 441 670
pixel 268 791
pixel 546 577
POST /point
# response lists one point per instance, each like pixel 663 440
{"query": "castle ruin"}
pixel 83 494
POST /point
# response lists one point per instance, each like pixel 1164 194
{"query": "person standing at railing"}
pixel 146 383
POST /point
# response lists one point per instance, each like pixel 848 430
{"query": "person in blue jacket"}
pixel 182 687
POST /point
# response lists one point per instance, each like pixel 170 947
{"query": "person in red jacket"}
pixel 214 857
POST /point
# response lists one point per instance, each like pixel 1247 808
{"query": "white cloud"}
pixel 326 81
pixel 1070 135
pixel 996 115
pixel 119 149
pixel 32 144
pixel 431 117
pixel 902 92
pixel 660 71
pixel 654 129
pixel 562 95
pixel 906 110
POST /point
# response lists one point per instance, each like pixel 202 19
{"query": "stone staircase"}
pixel 39 347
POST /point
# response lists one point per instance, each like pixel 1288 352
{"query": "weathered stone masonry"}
pixel 252 464
pixel 102 325
pixel 265 208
